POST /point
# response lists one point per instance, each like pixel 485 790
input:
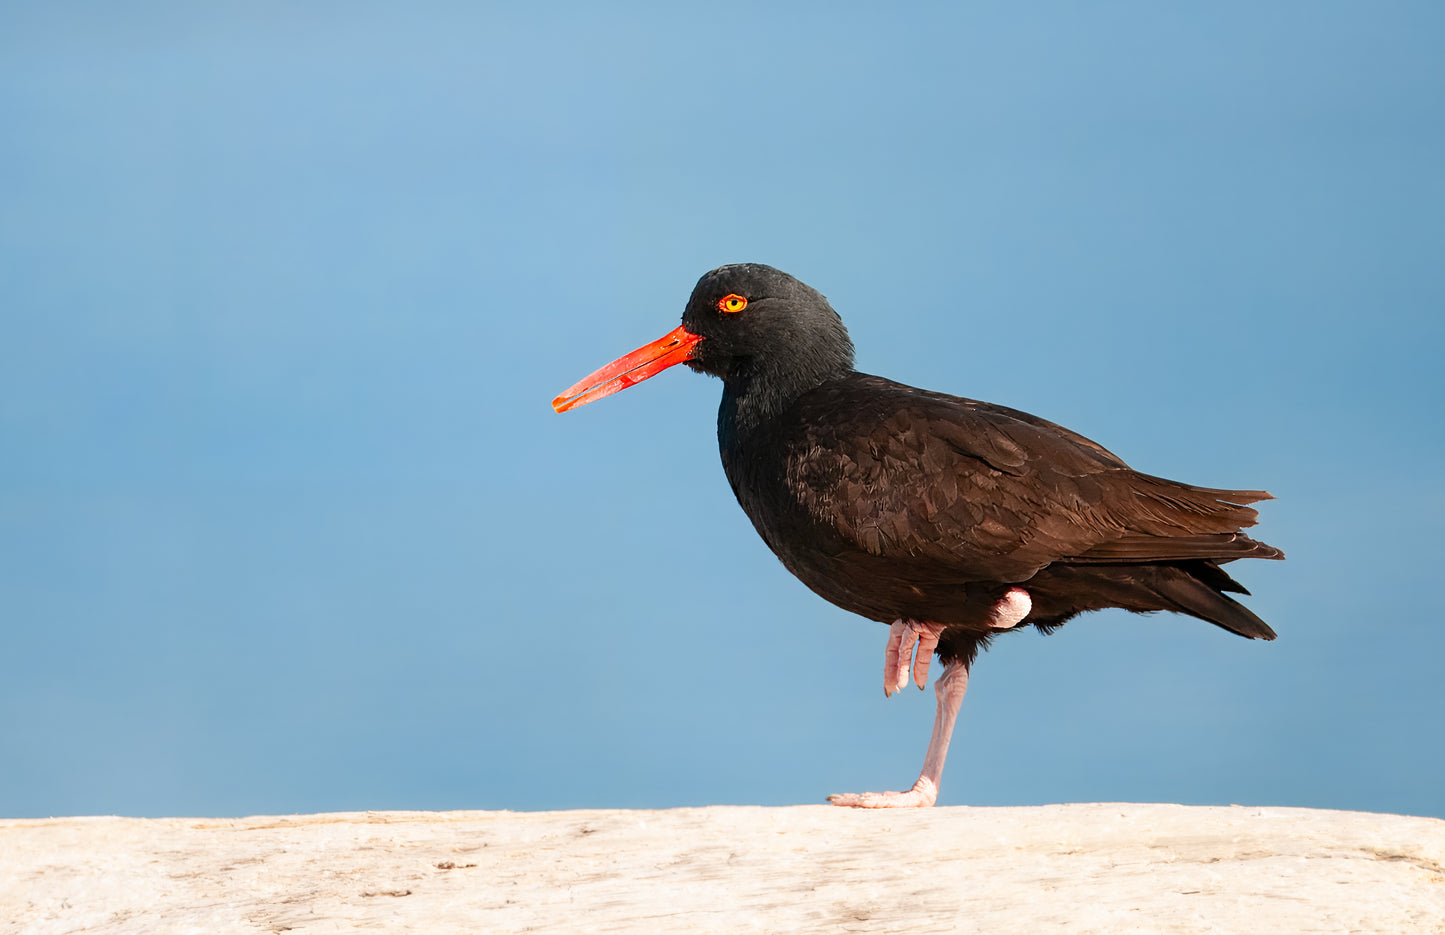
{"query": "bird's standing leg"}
pixel 1010 610
pixel 949 688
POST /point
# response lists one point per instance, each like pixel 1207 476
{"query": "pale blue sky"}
pixel 287 523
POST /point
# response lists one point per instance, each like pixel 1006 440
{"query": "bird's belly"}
pixel 873 584
pixel 879 587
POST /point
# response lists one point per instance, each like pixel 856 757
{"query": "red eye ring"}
pixel 732 303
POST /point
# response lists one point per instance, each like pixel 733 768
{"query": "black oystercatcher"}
pixel 948 518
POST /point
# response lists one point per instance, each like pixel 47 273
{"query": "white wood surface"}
pixel 1072 868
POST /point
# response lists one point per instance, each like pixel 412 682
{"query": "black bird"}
pixel 950 519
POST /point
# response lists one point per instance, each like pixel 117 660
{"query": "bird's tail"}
pixel 1195 587
pixel 1196 591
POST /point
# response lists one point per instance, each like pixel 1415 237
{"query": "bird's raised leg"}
pixel 1010 610
pixel 900 655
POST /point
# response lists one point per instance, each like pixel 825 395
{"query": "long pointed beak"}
pixel 649 360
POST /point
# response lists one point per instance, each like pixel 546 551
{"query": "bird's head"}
pixel 744 322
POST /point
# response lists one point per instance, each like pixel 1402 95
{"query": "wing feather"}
pixel 994 491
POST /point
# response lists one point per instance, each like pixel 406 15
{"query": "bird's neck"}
pixel 753 396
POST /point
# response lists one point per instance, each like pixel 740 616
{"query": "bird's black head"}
pixel 767 335
pixel 759 323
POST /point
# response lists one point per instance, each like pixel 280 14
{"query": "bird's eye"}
pixel 732 303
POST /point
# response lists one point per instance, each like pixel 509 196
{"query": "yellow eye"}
pixel 732 303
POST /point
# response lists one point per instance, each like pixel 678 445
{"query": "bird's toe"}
pixel 923 794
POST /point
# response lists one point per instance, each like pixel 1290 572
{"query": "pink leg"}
pixel 949 689
pixel 1011 609
pixel 900 656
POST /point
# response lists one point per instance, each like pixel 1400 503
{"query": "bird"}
pixel 948 519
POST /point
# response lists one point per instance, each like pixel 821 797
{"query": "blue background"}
pixel 287 524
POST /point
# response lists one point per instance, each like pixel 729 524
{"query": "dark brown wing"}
pixel 993 492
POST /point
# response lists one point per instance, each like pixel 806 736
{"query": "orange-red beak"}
pixel 672 348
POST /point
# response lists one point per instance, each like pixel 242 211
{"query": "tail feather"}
pixel 1214 576
pixel 1061 591
pixel 1183 592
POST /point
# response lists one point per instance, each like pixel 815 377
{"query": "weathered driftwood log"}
pixel 1075 868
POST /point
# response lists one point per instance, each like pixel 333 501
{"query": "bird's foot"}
pixel 1010 610
pixel 923 794
pixel 910 648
